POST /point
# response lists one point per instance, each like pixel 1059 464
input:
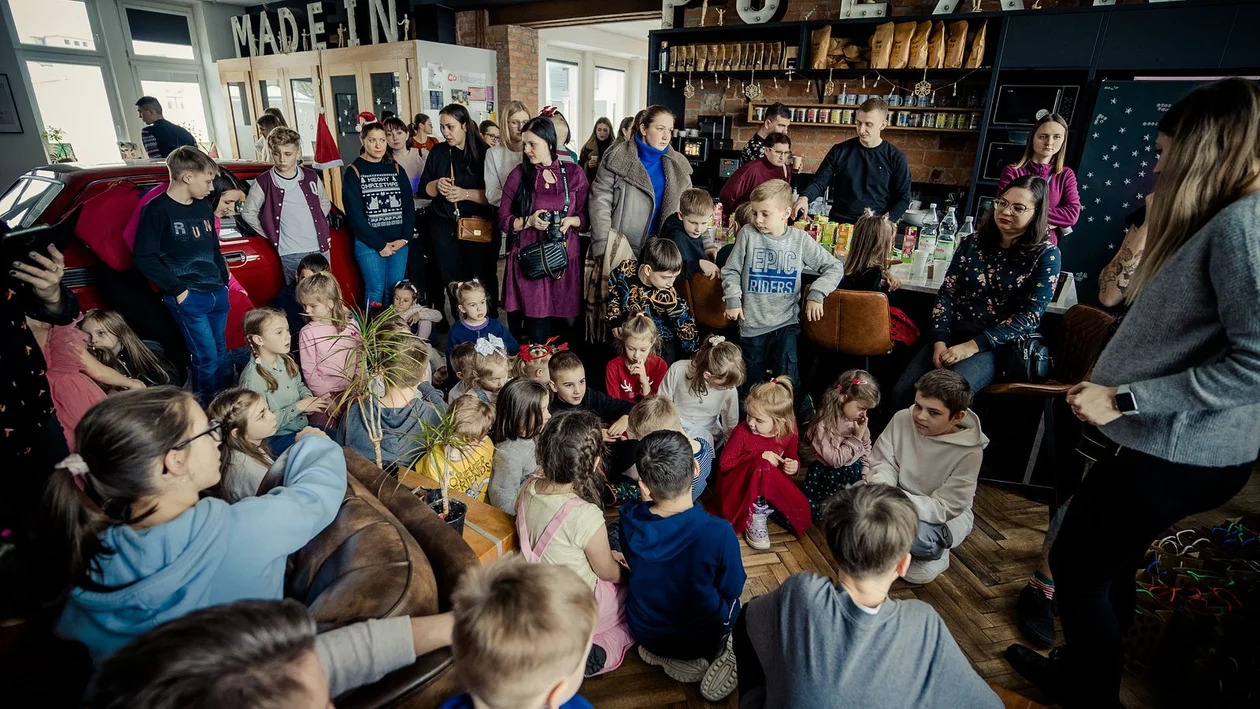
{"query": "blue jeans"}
pixel 979 370
pixel 777 349
pixel 202 318
pixel 281 442
pixel 379 273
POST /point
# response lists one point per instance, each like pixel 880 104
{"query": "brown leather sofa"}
pixel 386 554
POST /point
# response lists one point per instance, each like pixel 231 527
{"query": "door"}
pixel 341 97
pixel 387 84
pixel 290 83
pixel 235 80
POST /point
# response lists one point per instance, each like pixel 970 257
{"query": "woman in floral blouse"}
pixel 995 291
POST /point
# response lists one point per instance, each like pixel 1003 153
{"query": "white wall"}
pixel 589 47
pixel 20 151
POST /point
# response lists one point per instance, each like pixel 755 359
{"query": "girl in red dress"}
pixel 758 464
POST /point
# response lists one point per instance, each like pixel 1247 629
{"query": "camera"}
pixel 554 217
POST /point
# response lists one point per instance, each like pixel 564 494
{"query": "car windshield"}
pixel 26 200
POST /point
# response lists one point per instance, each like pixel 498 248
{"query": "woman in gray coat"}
pixel 638 183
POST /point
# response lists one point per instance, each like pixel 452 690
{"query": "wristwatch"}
pixel 1126 402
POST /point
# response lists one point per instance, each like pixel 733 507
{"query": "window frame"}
pixel 181 10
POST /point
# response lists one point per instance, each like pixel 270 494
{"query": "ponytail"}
pixel 721 360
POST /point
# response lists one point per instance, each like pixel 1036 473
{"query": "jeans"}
pixel 777 349
pixel 979 371
pixel 202 317
pixel 1123 505
pixel 289 262
pixel 281 442
pixel 379 273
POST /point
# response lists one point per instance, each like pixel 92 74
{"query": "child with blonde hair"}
pixel 491 369
pixel 503 614
pixel 757 466
pixel 840 437
pixel 534 359
pixel 638 371
pixel 520 413
pixel 112 341
pixel 656 413
pixel 327 341
pixel 471 461
pixel 273 374
pixel 704 390
pixel 474 323
pixel 559 520
pixel 246 423
pixel 408 403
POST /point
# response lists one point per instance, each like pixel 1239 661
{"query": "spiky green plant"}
pixel 441 434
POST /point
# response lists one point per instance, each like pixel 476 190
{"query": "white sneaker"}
pixel 686 671
pixel 723 675
pixel 924 571
pixel 758 533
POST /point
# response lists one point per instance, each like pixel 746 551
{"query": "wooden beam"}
pixel 562 13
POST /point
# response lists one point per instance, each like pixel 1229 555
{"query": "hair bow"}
pixel 77 467
pixel 490 344
pixel 715 340
pixel 549 111
pixel 533 352
pixel 858 382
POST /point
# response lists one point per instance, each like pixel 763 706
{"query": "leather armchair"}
pixel 704 296
pixel 386 554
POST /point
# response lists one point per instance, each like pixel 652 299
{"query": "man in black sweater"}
pixel 160 135
pixel 862 172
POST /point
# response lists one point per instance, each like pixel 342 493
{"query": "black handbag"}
pixel 549 256
pixel 1027 361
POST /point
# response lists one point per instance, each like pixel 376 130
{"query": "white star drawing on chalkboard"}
pixel 1084 187
pixel 1123 130
pixel 1107 183
pixel 1146 137
pixel 1128 110
pixel 1148 148
pixel 1143 163
pixel 1113 102
pixel 1106 157
pixel 1140 195
pixel 1126 181
pixel 1135 153
pixel 1090 218
pixel 1098 200
pixel 1142 173
pixel 1111 246
pixel 1115 164
pixel 1107 218
pixel 1089 174
pixel 1113 148
pixel 1095 135
pixel 1125 205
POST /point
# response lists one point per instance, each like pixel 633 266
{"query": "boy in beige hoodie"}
pixel 932 451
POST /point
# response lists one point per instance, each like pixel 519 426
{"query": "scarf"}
pixel 651 159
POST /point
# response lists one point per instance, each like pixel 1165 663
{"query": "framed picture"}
pixel 10 122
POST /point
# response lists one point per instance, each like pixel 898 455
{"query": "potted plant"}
pixel 55 145
pixel 442 436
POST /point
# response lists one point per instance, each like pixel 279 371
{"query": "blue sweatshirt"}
pixel 685 579
pixel 212 554
pixel 461 333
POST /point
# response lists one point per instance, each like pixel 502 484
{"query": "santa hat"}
pixel 327 154
pixel 365 118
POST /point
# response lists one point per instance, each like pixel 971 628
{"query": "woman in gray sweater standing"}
pixel 1177 389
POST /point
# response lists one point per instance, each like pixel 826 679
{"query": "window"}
pixel 610 94
pixel 306 113
pixel 180 96
pixel 242 124
pixel 53 23
pixel 159 34
pixel 562 89
pixel 269 89
pixel 26 200
pixel 71 99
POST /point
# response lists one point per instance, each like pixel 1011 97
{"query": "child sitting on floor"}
pixel 75 377
pixel 533 359
pixel 689 230
pixel 462 359
pixel 408 404
pixel 686 575
pixel 568 383
pixel 840 437
pixel 470 462
pixel 491 369
pixel 246 423
pixel 757 466
pixel 559 521
pixel 273 374
pixel 407 304
pixel 312 264
pixel 814 642
pixel 638 371
pixel 503 614
pixel 933 452
pixel 326 342
pixel 656 413
pixel 704 390
pixel 112 341
pixel 521 412
pixel 474 323
pixel 647 286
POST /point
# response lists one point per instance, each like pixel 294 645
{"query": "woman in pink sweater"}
pixel 1043 157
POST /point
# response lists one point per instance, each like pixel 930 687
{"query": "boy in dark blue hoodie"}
pixel 685 572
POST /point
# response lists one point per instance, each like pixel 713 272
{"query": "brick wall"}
pixel 517 49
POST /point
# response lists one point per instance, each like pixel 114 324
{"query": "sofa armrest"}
pixel 448 554
pixel 424 683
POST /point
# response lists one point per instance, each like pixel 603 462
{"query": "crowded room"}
pixel 938 320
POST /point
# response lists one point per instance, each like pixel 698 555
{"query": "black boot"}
pixel 1045 673
pixel 1035 615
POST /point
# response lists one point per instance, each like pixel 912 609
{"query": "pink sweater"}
pixel 840 448
pixel 1063 200
pixel 324 356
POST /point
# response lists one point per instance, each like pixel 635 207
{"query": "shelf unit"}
pixel 751 116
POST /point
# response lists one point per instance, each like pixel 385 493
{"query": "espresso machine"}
pixel 705 147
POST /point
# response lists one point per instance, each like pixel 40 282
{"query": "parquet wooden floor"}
pixel 976 597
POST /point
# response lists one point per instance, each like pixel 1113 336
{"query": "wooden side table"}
pixel 490 531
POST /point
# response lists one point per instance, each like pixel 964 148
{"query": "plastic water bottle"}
pixel 929 230
pixel 968 228
pixel 945 237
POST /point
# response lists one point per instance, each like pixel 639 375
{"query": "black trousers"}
pixel 464 260
pixel 1124 504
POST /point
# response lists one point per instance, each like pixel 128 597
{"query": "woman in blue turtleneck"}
pixel 638 184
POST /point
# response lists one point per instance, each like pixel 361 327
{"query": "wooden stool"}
pixel 490 531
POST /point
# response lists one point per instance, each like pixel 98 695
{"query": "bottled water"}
pixel 929 230
pixel 968 228
pixel 945 237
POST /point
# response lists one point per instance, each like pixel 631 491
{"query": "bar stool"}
pixel 1075 348
pixel 704 297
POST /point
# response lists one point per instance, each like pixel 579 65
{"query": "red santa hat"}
pixel 327 155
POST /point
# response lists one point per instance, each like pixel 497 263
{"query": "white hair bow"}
pixel 715 340
pixel 488 345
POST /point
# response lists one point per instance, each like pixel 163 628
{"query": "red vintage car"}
pixel 46 194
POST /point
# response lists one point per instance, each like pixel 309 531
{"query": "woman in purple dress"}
pixel 540 193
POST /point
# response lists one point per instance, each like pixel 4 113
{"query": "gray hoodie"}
pixel 400 428
pixel 939 473
pixel 763 276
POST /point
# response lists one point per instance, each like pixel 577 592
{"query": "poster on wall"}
pixel 459 96
pixel 1117 171
pixel 435 100
pixel 10 122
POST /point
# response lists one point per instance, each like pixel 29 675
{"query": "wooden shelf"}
pixel 853 107
pixel 850 126
pixel 750 116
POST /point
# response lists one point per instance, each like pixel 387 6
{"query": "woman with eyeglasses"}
pixel 134 543
pixel 775 164
pixel 1043 157
pixel 995 291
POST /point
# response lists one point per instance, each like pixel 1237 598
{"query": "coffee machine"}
pixel 702 147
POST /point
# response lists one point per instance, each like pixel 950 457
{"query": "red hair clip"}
pixel 533 352
pixel 548 111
